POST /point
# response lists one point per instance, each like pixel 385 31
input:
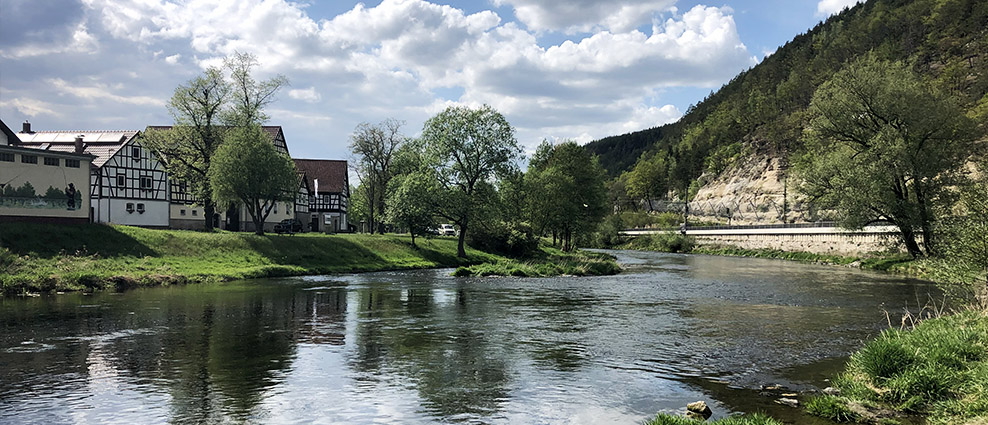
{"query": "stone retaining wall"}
pixel 846 244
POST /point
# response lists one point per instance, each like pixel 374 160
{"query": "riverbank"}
pixel 938 369
pixel 53 258
pixel 901 264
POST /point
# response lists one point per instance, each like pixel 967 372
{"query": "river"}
pixel 424 347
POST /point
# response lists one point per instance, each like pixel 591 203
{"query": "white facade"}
pixel 129 212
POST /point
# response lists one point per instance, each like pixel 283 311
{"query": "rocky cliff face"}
pixel 753 190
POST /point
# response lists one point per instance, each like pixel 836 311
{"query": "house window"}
pixel 140 208
pixel 130 207
pixel 121 180
pixel 72 163
pixel 6 157
pixel 51 161
pixel 182 186
pixel 195 212
pixel 181 212
pixel 29 159
pixel 135 153
pixel 145 182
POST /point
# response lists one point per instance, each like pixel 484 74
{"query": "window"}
pixel 130 207
pixel 140 208
pixel 72 163
pixel 6 157
pixel 51 161
pixel 195 212
pixel 145 182
pixel 181 212
pixel 182 187
pixel 121 180
pixel 135 153
pixel 29 159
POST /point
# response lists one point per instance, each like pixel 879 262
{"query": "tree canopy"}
pixel 467 151
pixel 248 168
pixel 882 144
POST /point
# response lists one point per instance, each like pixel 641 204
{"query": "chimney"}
pixel 78 143
pixel 26 127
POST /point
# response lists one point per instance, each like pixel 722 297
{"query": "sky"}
pixel 558 70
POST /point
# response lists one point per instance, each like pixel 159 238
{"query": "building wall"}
pixel 40 177
pixel 328 222
pixel 112 210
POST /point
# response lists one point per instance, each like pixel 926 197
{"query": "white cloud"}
pixel 389 60
pixel 308 95
pixel 830 7
pixel 33 107
pixel 586 15
pixel 101 91
pixel 80 41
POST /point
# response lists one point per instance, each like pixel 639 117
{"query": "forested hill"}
pixel 763 109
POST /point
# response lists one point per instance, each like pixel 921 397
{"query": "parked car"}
pixel 288 225
pixel 447 230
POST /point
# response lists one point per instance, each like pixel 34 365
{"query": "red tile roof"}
pixel 331 173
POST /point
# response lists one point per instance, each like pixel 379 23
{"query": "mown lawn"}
pixel 40 258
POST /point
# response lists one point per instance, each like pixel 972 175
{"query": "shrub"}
pixel 672 242
pixel 754 419
pixel 883 358
pixel 831 407
pixel 513 240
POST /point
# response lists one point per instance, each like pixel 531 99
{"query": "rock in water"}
pixel 698 409
pixel 791 402
pixel 831 391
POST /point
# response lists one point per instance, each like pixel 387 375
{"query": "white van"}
pixel 447 230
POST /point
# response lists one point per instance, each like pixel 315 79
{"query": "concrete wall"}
pixel 848 244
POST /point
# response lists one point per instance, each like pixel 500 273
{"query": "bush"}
pixel 516 241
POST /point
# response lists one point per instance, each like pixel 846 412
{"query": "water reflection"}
pixel 421 346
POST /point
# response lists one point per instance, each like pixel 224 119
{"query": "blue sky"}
pixel 580 69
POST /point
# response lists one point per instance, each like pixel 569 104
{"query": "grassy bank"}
pixel 547 261
pixel 938 369
pixel 43 258
pixel 753 419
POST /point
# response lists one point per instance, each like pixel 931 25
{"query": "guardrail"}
pixel 813 225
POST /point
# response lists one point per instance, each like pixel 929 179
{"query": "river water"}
pixel 424 347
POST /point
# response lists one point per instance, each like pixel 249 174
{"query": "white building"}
pixel 128 182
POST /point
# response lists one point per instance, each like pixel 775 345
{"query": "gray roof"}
pixel 102 144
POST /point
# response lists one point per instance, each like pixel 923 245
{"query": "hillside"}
pixel 757 118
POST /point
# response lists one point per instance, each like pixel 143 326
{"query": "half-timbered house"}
pixel 185 211
pixel 329 193
pixel 128 182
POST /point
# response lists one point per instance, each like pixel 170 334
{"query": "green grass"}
pixel 939 369
pixel 41 258
pixel 547 262
pixel 753 419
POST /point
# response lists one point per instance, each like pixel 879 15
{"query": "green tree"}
pixel 247 168
pixel 467 149
pixel 249 96
pixel 357 207
pixel 374 147
pixel 187 149
pixel 649 179
pixel 883 145
pixel 571 188
pixel 410 202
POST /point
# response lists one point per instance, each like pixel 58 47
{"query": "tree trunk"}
pixel 909 238
pixel 209 209
pixel 413 238
pixel 460 243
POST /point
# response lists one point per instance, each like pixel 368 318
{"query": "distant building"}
pixel 329 193
pixel 42 185
pixel 128 184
